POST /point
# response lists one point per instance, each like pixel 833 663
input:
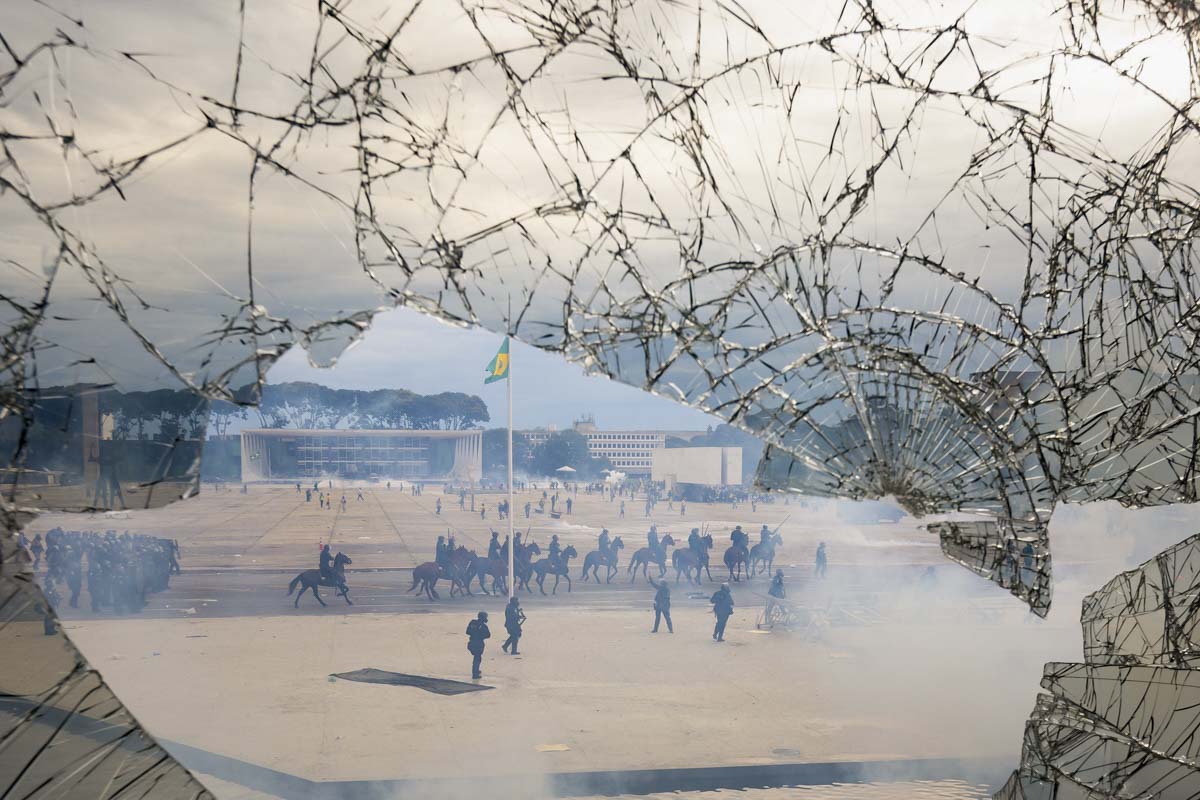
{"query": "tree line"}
pixel 299 404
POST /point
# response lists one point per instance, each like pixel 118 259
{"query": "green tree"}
pixel 567 449
pixel 495 452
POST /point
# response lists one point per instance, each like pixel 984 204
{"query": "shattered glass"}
pixel 943 253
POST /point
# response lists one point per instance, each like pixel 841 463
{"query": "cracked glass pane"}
pixel 942 255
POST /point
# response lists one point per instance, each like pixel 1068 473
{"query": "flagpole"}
pixel 512 545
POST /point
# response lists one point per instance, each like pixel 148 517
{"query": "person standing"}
pixel 477 634
pixel 621 515
pixel 662 604
pixel 439 506
pixel 37 550
pixel 822 563
pixel 722 603
pixel 514 618
pixel 774 595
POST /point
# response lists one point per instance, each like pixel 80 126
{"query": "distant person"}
pixel 438 507
pixel 389 485
pixel 360 494
pixel 528 508
pixel 514 619
pixel 37 549
pixel 621 515
pixel 483 510
pixel 722 603
pixel 297 487
pixel 662 604
pixel 570 505
pixel 822 563
pixel 343 502
pixel 774 595
pixel 682 507
pixel 308 495
pixel 477 634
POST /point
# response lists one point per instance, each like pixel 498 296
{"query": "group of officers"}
pixel 120 569
pixel 722 602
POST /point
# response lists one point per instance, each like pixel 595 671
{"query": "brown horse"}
pixel 311 579
pixel 461 570
pixel 686 560
pixel 645 557
pixel 593 560
pixel 497 568
pixel 556 567
pixel 523 564
pixel 427 575
pixel 737 556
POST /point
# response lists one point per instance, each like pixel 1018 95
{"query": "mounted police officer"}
pixel 603 543
pixel 739 537
pixel 652 538
pixel 554 550
pixel 494 548
pixel 694 543
pixel 440 554
pixel 326 564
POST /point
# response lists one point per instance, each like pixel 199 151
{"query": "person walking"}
pixel 514 618
pixel 774 595
pixel 662 604
pixel 722 603
pixel 477 634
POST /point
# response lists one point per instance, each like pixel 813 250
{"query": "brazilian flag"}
pixel 497 368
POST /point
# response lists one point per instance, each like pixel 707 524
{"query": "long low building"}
pixel 287 454
pixel 629 451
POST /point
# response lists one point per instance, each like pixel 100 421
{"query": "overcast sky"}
pixel 405 349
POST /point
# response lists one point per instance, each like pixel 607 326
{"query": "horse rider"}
pixel 722 603
pixel 652 538
pixel 326 564
pixel 514 618
pixel 764 536
pixel 662 604
pixel 774 594
pixel 477 634
pixel 554 550
pixel 440 552
pixel 494 546
pixel 603 543
pixel 739 537
pixel 694 543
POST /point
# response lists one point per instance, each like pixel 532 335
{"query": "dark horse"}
pixel 645 557
pixel 762 555
pixel 311 579
pixel 686 560
pixel 523 563
pixel 593 560
pixel 556 567
pixel 426 577
pixel 737 556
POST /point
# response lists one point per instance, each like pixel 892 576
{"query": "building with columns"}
pixel 289 454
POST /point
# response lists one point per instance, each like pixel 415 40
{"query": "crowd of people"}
pixel 118 571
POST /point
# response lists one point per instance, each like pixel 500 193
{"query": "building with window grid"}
pixel 628 451
pixel 288 454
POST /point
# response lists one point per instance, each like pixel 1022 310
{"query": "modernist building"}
pixel 628 451
pixel 288 454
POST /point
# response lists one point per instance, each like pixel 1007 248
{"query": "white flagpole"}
pixel 512 545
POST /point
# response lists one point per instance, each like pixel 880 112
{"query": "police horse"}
pixel 645 557
pixel 762 555
pixel 686 560
pixel 557 567
pixel 311 579
pixel 608 558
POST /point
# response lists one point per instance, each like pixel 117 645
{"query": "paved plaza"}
pixel 221 663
